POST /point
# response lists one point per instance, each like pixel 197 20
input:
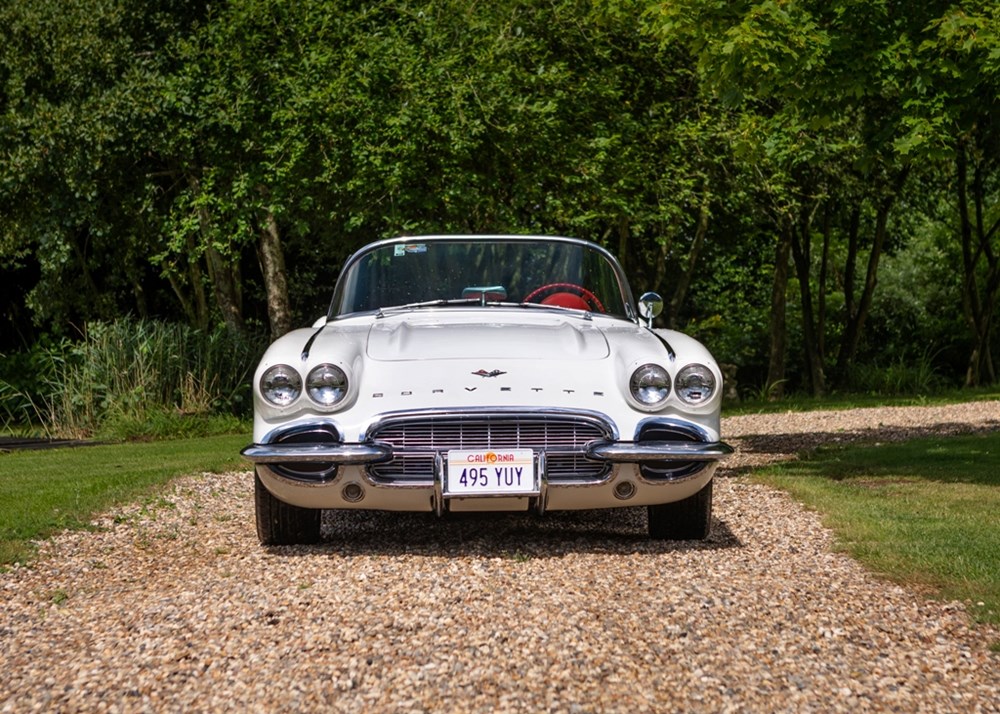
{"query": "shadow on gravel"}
pixel 515 536
pixel 785 446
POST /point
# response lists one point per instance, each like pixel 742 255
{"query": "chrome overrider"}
pixel 334 453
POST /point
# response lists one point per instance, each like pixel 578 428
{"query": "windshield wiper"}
pixel 440 302
pixel 449 302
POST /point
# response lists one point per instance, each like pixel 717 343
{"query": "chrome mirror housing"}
pixel 650 305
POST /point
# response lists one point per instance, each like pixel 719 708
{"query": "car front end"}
pixel 484 405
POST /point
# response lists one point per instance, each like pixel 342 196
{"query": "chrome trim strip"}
pixel 659 451
pixel 477 413
pixel 543 483
pixel 695 430
pixel 318 425
pixel 300 482
pixel 305 453
pixel 439 474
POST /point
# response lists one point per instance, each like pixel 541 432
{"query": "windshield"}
pixel 422 272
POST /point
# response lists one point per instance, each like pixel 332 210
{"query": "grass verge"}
pixel 43 492
pixel 922 512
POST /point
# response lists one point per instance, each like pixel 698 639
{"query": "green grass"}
pixel 924 512
pixel 43 492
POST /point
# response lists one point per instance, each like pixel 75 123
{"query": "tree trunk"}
pixel 92 299
pixel 977 245
pixel 272 264
pixel 199 304
pixel 824 269
pixel 183 299
pixel 857 312
pixel 800 240
pixel 222 275
pixel 225 288
pixel 684 281
pixel 775 386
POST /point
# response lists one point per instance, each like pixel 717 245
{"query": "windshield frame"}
pixel 626 312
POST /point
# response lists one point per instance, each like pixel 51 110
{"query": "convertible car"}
pixel 485 373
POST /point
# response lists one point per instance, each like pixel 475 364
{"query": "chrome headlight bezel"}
pixel 327 385
pixel 649 385
pixel 695 384
pixel 280 385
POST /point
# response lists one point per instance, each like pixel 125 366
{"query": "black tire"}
pixel 280 523
pixel 690 519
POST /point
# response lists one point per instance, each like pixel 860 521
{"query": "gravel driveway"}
pixel 174 607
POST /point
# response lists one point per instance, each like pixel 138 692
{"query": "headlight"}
pixel 281 385
pixel 650 384
pixel 695 384
pixel 327 385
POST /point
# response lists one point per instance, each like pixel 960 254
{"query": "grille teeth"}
pixel 417 441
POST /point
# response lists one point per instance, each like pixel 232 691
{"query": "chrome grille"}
pixel 563 439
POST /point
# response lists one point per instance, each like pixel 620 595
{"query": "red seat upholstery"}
pixel 569 300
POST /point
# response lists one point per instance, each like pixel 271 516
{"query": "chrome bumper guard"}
pixel 635 452
pixel 340 454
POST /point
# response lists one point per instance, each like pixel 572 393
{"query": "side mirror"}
pixel 650 305
pixel 320 322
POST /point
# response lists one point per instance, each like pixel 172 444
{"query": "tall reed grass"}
pixel 913 376
pixel 134 374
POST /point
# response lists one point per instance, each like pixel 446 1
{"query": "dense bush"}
pixel 131 378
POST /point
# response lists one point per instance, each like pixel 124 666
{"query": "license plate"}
pixel 491 473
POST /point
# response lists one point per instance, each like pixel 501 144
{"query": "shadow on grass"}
pixel 949 452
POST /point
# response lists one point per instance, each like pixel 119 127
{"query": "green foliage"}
pixel 23 376
pixel 134 378
pixel 147 147
pixel 900 377
pixel 79 95
pixel 37 498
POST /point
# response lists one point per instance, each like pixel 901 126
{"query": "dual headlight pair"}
pixel 326 385
pixel 650 384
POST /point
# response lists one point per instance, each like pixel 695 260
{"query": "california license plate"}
pixel 491 472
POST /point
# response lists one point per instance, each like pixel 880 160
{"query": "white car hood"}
pixel 460 359
pixel 540 337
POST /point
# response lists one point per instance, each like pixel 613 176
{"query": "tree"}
pixel 818 90
pixel 952 114
pixel 79 98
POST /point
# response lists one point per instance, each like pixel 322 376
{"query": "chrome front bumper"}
pixel 364 454
pixel 344 478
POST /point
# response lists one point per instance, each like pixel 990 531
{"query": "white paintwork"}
pixel 536 358
pixel 428 359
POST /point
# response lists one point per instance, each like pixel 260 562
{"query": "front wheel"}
pixel 280 523
pixel 689 519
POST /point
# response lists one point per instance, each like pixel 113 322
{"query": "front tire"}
pixel 280 523
pixel 689 519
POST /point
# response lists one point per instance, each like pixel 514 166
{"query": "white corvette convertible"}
pixel 485 373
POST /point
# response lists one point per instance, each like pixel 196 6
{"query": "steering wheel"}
pixel 566 295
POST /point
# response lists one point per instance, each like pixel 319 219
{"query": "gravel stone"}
pixel 173 606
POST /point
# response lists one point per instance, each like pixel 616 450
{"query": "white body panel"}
pixel 430 360
pixel 510 356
